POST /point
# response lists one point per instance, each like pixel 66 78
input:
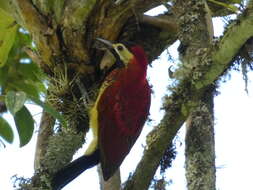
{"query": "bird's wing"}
pixel 122 114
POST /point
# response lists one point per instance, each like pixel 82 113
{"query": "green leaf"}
pixel 233 8
pixel 49 109
pixel 8 30
pixel 34 78
pixel 4 5
pixel 25 125
pixel 15 101
pixel 27 86
pixel 31 71
pixel 5 130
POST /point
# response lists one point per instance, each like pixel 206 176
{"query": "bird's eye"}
pixel 120 48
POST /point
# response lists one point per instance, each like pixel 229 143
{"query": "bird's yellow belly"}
pixel 93 123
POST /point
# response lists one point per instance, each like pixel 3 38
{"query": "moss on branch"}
pixel 223 53
pixel 77 12
pixel 185 97
pixel 84 20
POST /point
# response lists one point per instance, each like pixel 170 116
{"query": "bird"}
pixel 117 116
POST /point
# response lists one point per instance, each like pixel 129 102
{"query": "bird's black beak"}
pixel 110 47
pixel 107 43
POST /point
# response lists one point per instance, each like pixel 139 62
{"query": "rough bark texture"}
pixel 45 131
pixel 199 146
pixel 199 152
pixel 64 33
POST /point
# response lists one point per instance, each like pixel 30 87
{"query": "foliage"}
pixel 64 33
pixel 5 130
pixel 25 125
pixel 8 30
pixel 21 80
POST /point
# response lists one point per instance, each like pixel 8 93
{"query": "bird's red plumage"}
pixel 122 111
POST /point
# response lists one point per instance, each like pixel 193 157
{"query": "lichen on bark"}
pixel 66 39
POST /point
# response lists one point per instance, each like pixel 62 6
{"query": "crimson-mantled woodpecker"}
pixel 117 116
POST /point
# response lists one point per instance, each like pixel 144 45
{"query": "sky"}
pixel 233 130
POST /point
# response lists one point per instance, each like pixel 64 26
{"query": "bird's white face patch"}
pixel 125 55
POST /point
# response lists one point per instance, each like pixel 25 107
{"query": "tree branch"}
pixel 140 5
pixel 45 6
pixel 33 21
pixel 44 133
pixel 43 35
pixel 223 52
pixel 218 10
pixel 146 32
pixel 76 12
pixel 184 98
pixel 50 8
pixel 177 106
pixel 169 23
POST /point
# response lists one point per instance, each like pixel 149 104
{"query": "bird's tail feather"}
pixel 73 169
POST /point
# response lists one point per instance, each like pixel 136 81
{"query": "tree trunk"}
pixel 199 146
pixel 45 131
pixel 65 32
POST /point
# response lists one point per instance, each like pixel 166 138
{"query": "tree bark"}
pixel 199 146
pixel 192 83
pixel 199 152
pixel 64 33
pixel 45 131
